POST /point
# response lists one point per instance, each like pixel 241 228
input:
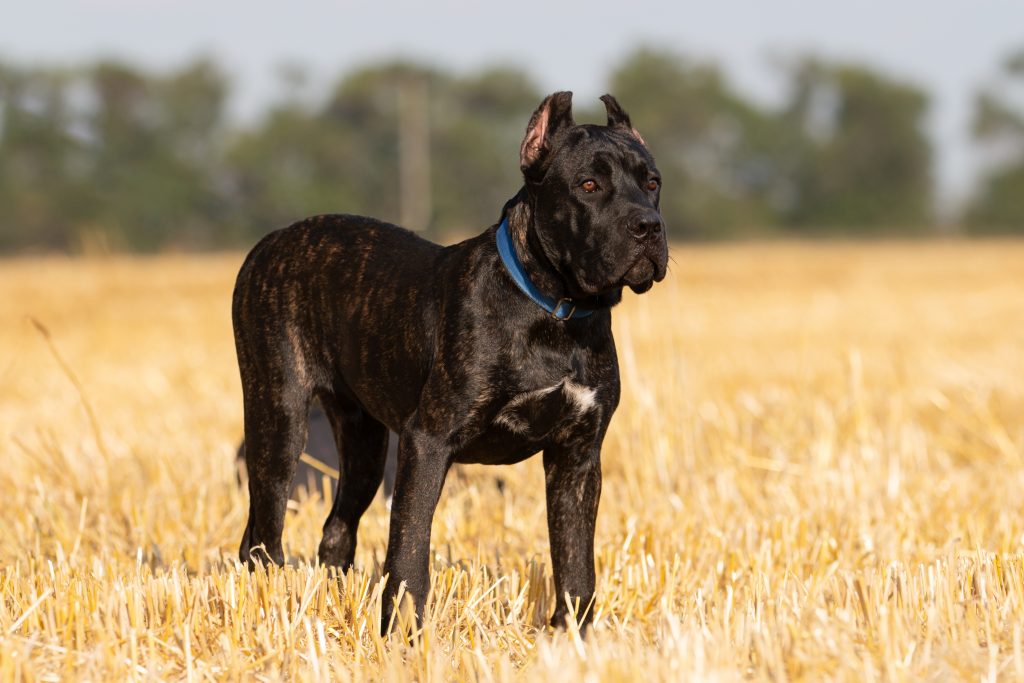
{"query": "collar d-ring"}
pixel 558 306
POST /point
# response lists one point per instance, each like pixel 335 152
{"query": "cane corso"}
pixel 487 351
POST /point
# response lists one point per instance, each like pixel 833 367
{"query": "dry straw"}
pixel 815 473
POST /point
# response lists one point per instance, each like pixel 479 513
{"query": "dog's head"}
pixel 593 193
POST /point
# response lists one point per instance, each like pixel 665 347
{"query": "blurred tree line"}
pixel 112 156
pixel 999 127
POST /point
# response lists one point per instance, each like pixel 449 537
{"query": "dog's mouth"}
pixel 642 275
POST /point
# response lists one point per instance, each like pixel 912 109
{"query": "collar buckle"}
pixel 558 306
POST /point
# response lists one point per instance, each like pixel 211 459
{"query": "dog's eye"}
pixel 653 184
pixel 588 185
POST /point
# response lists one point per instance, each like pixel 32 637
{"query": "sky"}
pixel 951 47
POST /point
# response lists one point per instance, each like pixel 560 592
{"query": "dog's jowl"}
pixel 487 351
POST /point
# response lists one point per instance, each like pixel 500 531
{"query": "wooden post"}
pixel 414 154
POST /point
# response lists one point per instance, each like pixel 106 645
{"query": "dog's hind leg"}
pixel 362 449
pixel 275 431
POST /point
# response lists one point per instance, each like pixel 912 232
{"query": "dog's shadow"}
pixel 319 466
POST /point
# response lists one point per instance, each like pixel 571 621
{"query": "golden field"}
pixel 816 472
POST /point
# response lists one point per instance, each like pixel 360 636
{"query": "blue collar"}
pixel 563 309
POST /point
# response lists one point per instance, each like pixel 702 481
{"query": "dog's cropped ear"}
pixel 553 114
pixel 617 118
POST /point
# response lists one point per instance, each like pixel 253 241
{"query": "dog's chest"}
pixel 538 412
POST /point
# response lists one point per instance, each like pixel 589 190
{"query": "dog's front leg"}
pixel 573 486
pixel 423 462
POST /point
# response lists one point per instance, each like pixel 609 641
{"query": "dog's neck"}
pixel 537 265
pixel 541 271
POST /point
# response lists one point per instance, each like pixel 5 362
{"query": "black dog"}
pixel 487 351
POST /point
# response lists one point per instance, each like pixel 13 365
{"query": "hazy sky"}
pixel 948 46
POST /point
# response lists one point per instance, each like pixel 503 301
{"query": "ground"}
pixel 815 471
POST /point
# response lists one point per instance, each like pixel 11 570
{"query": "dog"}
pixel 487 351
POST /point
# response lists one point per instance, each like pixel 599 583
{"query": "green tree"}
pixel 156 153
pixel 478 123
pixel 864 160
pixel 340 156
pixel 44 169
pixel 150 160
pixel 723 159
pixel 998 206
pixel 346 154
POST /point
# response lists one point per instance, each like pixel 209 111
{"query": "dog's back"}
pixel 312 277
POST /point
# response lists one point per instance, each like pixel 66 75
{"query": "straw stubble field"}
pixel 815 471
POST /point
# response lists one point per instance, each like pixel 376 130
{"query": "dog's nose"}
pixel 645 225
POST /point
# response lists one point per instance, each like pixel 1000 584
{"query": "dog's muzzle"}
pixel 651 261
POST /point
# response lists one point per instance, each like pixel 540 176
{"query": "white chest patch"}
pixel 516 415
pixel 584 398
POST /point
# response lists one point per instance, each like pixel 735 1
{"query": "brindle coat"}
pixel 437 343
